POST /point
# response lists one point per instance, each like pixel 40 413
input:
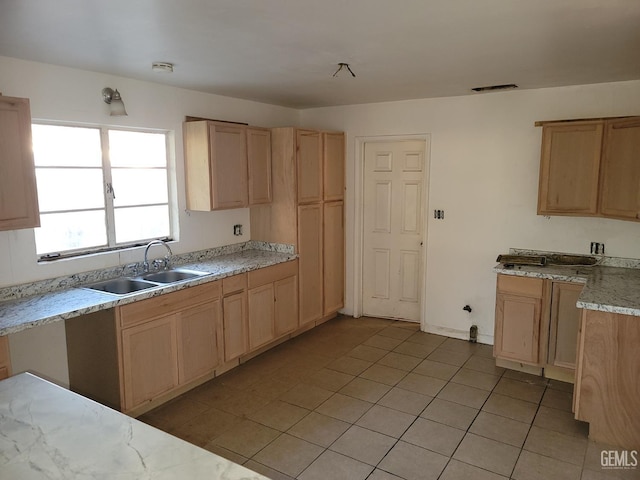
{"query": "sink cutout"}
pixel 171 276
pixel 121 286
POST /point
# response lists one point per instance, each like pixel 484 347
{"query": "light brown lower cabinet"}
pixel 518 318
pixel 310 238
pixel 5 359
pixel 606 392
pixel 333 247
pixel 235 316
pixel 273 303
pixel 149 360
pixel 136 356
pixel 536 324
pixel 140 355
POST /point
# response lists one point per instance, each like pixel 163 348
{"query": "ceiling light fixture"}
pixel 344 66
pixel 491 88
pixel 114 100
pixel 162 67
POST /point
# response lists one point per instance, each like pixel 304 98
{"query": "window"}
pixel 99 188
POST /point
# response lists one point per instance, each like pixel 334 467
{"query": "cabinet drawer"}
pixel 272 274
pixel 529 287
pixel 233 284
pixel 145 310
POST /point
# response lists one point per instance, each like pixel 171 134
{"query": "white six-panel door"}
pixel 394 193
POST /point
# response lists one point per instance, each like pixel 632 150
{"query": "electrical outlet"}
pixel 439 214
pixel 597 248
pixel 237 230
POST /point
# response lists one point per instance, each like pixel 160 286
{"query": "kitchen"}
pixel 484 160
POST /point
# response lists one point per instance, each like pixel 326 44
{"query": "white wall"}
pixel 485 155
pixel 70 95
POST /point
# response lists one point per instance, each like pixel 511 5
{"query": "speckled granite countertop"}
pixel 24 312
pixel 49 432
pixel 607 289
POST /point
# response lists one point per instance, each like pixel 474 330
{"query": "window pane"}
pixel 69 188
pixel 69 231
pixel 137 149
pixel 138 186
pixel 59 146
pixel 141 223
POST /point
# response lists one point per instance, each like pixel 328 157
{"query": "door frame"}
pixel 358 243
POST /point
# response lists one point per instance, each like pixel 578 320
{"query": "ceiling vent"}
pixel 492 88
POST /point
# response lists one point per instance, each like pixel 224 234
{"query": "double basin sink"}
pixel 127 285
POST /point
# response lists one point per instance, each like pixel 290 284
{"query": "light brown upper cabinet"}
pixel 620 186
pixel 18 194
pixel 309 160
pixel 591 168
pixel 333 163
pixel 259 160
pixel 569 168
pixel 227 165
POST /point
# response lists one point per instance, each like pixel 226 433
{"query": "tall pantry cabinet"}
pixel 307 211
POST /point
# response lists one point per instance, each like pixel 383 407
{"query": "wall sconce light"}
pixel 113 98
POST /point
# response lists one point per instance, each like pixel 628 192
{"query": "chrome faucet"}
pixel 166 262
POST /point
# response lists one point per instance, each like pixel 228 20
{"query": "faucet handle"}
pixel 132 269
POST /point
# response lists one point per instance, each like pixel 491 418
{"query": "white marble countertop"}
pixel 30 311
pixel 51 433
pixel 607 289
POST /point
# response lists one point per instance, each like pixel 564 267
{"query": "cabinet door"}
pixel 517 327
pixel 569 167
pixel 333 275
pixel 333 164
pixel 620 197
pixel 18 195
pixel 565 320
pixel 261 316
pixel 259 162
pixel 149 360
pixel 310 262
pixel 228 166
pixel 286 305
pixel 236 334
pixel 309 166
pixel 199 343
pixel 5 358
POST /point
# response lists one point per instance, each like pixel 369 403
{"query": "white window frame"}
pixel 109 193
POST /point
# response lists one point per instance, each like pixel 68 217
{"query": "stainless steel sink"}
pixel 171 276
pixel 122 286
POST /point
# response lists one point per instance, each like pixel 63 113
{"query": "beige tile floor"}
pixel 377 399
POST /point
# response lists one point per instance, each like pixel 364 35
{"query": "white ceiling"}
pixel 284 52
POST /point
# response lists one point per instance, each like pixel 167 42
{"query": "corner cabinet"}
pixel 226 165
pixel 18 194
pixel 590 168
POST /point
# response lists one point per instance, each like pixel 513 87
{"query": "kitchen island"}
pixel 49 432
